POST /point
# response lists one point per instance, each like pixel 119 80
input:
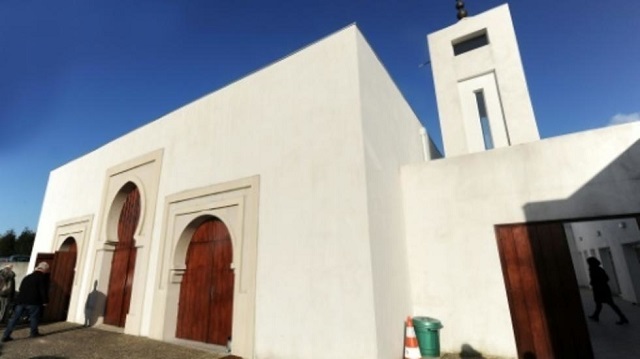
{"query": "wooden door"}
pixel 206 293
pixel 61 282
pixel 45 257
pixel 544 298
pixel 48 258
pixel 123 263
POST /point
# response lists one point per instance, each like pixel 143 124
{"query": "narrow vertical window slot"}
pixel 484 120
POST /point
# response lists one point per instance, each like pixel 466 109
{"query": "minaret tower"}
pixel 481 90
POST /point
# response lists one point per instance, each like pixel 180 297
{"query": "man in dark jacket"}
pixel 33 295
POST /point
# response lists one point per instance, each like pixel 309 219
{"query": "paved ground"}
pixel 611 341
pixel 72 341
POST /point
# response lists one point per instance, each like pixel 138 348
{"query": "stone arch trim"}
pixel 143 172
pixel 66 244
pixel 80 229
pixel 236 204
pixel 180 251
pixel 116 203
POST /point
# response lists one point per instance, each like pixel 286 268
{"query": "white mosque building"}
pixel 303 211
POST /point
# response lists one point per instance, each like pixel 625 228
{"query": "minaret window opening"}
pixel 472 42
pixel 484 120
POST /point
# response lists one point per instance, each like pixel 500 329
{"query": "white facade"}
pixel 320 152
pixel 452 206
pixel 340 228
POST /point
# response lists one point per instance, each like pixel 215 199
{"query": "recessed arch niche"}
pixel 234 204
pixel 67 265
pixel 141 174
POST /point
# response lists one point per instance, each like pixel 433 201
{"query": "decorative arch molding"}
pixel 113 215
pixel 143 173
pixel 79 229
pixel 235 203
pixel 69 245
pixel 225 211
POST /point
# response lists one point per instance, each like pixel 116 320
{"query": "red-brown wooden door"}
pixel 61 281
pixel 45 257
pixel 205 309
pixel 123 263
pixel 544 298
pixel 49 259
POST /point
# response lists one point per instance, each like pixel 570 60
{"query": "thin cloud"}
pixel 624 118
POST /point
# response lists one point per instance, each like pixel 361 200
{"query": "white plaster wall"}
pixel 73 191
pixel 577 258
pixel 298 125
pixel 391 139
pixel 501 58
pixel 452 205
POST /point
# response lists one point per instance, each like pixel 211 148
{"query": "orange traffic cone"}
pixel 411 350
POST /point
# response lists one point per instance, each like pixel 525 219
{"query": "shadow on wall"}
pixel 611 192
pixel 560 328
pixel 94 306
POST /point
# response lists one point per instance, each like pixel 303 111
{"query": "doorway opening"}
pixel 205 307
pixel 550 298
pixel 62 266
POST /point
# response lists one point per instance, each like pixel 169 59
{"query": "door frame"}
pixel 60 293
pixel 124 248
pixel 236 204
pixel 538 274
pixel 212 282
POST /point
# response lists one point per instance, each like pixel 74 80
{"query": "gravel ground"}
pixel 467 356
pixel 72 341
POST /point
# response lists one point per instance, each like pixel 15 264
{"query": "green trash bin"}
pixel 427 331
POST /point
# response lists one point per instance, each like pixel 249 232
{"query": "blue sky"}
pixel 75 75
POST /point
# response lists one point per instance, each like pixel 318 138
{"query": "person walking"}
pixel 601 291
pixel 32 297
pixel 7 290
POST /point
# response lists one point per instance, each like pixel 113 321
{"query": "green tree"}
pixel 24 244
pixel 7 243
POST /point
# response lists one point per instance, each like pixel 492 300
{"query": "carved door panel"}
pixel 123 263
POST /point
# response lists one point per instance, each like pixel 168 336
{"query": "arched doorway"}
pixel 205 310
pixel 61 281
pixel 124 260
